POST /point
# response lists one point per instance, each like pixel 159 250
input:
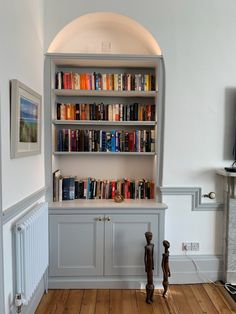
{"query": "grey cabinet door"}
pixel 125 241
pixel 76 245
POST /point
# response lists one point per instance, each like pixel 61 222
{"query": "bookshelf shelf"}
pixel 102 204
pixel 70 145
pixel 106 153
pixel 103 93
pixel 109 123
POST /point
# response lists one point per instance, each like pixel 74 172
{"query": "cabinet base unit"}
pixel 90 248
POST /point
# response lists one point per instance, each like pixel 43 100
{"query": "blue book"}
pixel 117 141
pixel 71 188
pixel 113 140
pixel 89 188
pixel 65 189
pixel 108 142
pixel 137 148
pixel 60 141
pixel 104 140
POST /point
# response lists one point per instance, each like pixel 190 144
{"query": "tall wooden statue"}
pixel 149 266
pixel 165 267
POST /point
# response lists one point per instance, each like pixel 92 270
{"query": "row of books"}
pixel 105 81
pixel 70 188
pixel 106 112
pixel 75 140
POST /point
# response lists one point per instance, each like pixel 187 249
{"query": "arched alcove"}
pixel 105 121
pixel 105 32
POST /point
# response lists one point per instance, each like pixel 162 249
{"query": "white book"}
pixel 104 81
pixel 121 112
pixel 116 81
pixel 110 112
pixel 60 190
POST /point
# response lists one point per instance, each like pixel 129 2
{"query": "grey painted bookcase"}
pixel 99 243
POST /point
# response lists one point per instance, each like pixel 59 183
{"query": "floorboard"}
pixel 217 299
pixel 58 300
pixel 115 301
pixel 102 302
pixel 181 299
pixel 88 305
pixel 74 302
pixel 143 307
pixel 203 299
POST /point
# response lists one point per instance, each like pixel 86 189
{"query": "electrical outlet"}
pixel 186 246
pixel 195 246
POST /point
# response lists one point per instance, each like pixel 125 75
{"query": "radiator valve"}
pixel 18 303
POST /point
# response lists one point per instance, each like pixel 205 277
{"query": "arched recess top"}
pixel 105 32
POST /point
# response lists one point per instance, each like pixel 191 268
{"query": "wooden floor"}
pixel 184 299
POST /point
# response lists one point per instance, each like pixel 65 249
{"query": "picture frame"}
pixel 26 108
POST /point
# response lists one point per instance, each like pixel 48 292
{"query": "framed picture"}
pixel 25 120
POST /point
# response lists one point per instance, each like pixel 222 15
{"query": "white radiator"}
pixel 31 233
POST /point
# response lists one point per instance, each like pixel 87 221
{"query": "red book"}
pixel 131 141
pixel 113 189
pixel 67 78
pixel 128 189
pixel 148 113
pixel 73 140
pixel 152 190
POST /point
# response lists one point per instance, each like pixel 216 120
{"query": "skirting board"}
pixel 183 271
pixel 99 283
pixel 195 269
pixel 34 302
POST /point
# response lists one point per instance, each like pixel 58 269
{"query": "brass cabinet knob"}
pixel 99 218
pixel 108 218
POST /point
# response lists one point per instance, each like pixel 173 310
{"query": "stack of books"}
pixel 70 188
pixel 105 81
pixel 75 140
pixel 106 112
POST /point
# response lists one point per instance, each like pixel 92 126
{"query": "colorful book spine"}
pixel 105 112
pixel 73 140
pixel 105 81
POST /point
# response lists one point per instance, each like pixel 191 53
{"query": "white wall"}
pixel 197 41
pixel 21 57
pixel 119 33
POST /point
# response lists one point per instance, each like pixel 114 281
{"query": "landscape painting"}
pixel 28 121
pixel 25 120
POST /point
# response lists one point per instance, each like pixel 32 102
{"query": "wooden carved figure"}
pixel 149 266
pixel 165 267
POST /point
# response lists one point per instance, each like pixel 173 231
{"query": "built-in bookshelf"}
pixel 104 123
